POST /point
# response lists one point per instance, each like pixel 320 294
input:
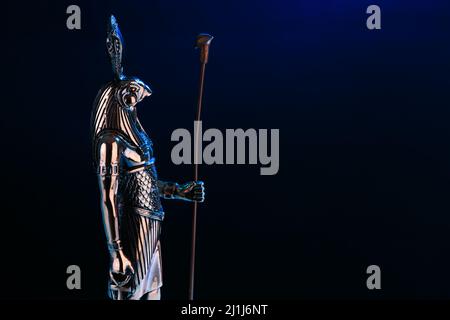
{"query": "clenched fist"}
pixel 191 191
pixel 121 269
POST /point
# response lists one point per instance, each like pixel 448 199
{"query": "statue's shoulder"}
pixel 115 138
pixel 109 147
pixel 113 145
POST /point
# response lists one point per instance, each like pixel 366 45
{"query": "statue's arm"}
pixel 108 179
pixel 109 154
pixel 189 191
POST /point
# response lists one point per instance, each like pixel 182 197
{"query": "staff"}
pixel 202 43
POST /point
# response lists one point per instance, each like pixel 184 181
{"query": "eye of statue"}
pixel 130 99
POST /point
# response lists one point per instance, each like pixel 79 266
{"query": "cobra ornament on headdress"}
pixel 114 44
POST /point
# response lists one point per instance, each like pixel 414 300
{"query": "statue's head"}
pixel 131 91
pixel 115 105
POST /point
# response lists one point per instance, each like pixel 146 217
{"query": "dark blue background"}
pixel 364 149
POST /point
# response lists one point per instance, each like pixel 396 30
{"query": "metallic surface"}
pixel 203 42
pixel 130 191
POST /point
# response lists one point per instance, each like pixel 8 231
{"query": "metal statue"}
pixel 130 190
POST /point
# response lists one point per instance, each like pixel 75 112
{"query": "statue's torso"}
pixel 138 183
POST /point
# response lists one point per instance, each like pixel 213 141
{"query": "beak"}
pixel 147 91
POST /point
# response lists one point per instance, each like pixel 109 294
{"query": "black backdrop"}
pixel 364 145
